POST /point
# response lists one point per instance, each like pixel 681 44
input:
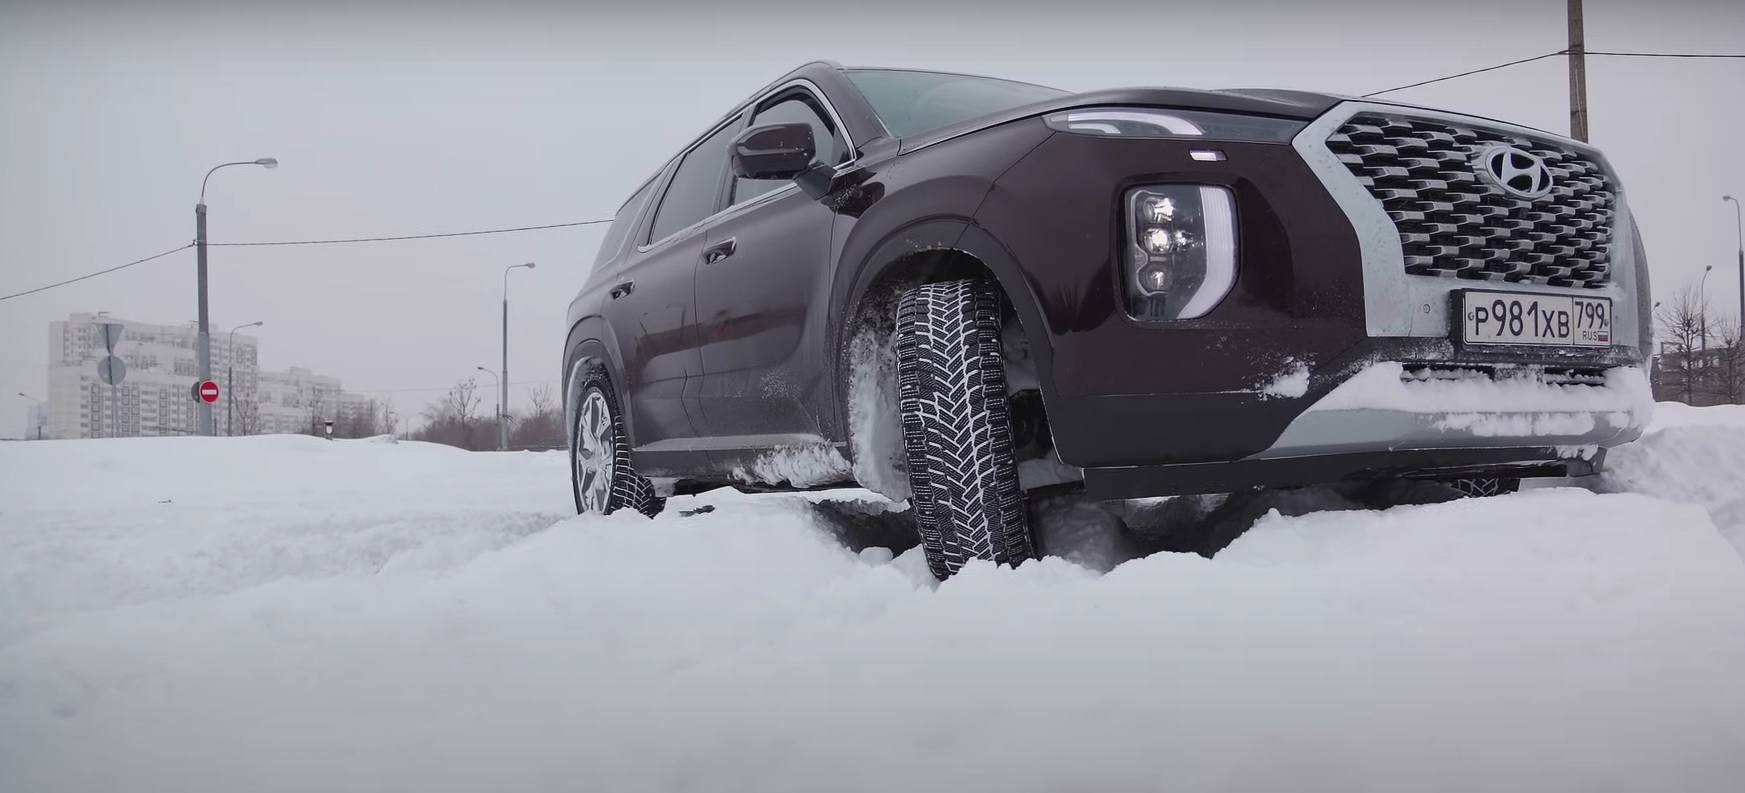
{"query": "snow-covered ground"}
pixel 291 614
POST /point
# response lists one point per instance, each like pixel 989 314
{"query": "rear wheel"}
pixel 957 432
pixel 601 475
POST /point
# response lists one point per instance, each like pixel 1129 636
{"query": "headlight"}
pixel 1140 122
pixel 1180 250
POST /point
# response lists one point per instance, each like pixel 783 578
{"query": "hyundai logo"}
pixel 1518 172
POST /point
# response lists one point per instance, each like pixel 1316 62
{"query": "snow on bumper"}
pixel 1388 407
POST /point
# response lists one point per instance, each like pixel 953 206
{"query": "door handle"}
pixel 720 250
pixel 623 289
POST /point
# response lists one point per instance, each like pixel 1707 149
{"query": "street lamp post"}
pixel 503 382
pixel 499 403
pixel 40 417
pixel 1739 224
pixel 203 345
pixel 230 379
pixel 1703 307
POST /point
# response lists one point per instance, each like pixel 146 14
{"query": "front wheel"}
pixel 600 471
pixel 957 431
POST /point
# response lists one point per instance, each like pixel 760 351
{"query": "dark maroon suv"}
pixel 960 290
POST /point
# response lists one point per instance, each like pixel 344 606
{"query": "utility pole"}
pixel 230 379
pixel 1739 227
pixel 1577 74
pixel 500 392
pixel 41 413
pixel 503 382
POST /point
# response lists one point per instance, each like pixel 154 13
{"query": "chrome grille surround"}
pixel 1454 223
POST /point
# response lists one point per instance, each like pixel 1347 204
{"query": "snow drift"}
pixel 365 617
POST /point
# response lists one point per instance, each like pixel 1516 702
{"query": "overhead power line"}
pixel 1669 54
pixel 440 388
pixel 410 236
pixel 1706 55
pixel 95 274
pixel 311 242
pixel 1469 73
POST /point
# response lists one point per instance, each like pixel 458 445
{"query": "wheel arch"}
pixel 928 251
pixel 585 348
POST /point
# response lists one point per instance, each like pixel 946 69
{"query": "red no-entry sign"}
pixel 206 391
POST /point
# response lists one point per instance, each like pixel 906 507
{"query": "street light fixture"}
pixel 230 372
pixel 503 382
pixel 499 403
pixel 203 346
pixel 40 418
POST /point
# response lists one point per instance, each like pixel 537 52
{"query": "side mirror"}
pixel 773 151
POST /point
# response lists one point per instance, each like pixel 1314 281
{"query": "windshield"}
pixel 912 102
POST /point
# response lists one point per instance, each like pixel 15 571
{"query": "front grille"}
pixel 1453 223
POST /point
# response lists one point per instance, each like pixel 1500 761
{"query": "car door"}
pixel 651 307
pixel 761 286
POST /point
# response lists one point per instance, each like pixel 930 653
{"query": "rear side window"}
pixel 695 186
pixel 797 108
pixel 613 244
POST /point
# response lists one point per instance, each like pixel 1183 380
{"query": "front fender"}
pixel 953 234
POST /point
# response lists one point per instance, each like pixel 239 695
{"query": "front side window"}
pixel 908 103
pixel 695 185
pixel 796 108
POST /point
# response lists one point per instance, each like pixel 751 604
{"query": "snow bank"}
pixel 104 524
pixel 1699 458
pixel 1678 414
pixel 1554 640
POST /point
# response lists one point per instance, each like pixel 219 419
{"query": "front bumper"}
pixel 1197 478
pixel 1322 297
pixel 1388 406
pixel 1400 419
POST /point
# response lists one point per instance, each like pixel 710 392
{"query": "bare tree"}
pixel 316 411
pixel 1681 319
pixel 542 426
pixel 390 420
pixel 360 422
pixel 453 419
pixel 248 417
pixel 1729 360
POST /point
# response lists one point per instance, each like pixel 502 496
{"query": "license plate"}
pixel 1535 319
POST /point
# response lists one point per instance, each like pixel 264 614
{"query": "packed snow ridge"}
pixel 358 616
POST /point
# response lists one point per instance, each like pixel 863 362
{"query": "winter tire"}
pixel 1484 487
pixel 957 434
pixel 601 475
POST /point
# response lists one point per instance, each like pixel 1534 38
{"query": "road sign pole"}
pixel 111 371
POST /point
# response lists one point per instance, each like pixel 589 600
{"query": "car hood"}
pixel 1280 103
pixel 1301 105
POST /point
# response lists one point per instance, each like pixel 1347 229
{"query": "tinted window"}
pixel 695 186
pixel 795 109
pixel 611 246
pixel 913 102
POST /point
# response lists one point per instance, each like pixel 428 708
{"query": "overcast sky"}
pixel 392 119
